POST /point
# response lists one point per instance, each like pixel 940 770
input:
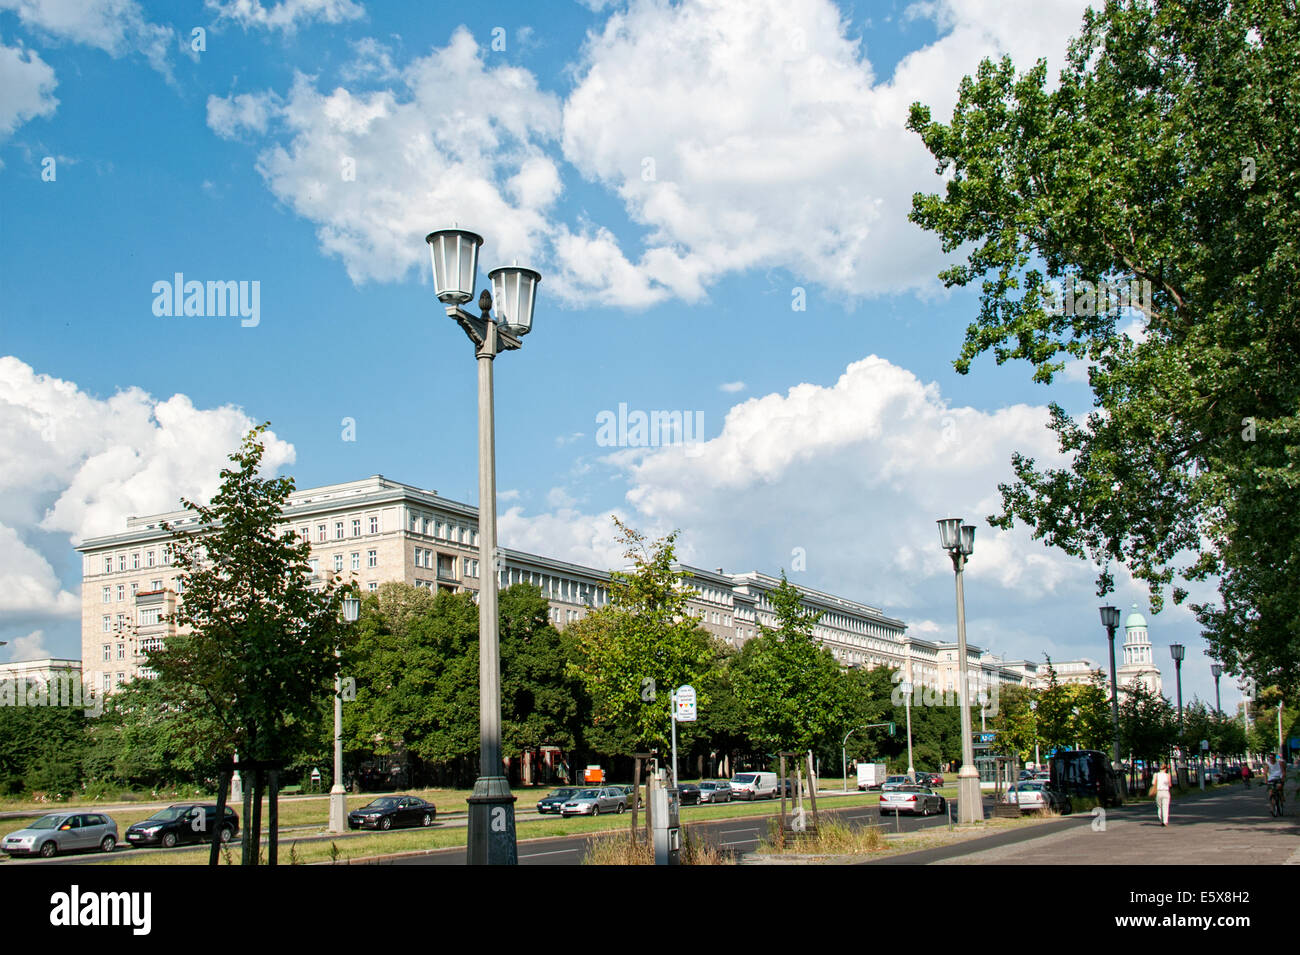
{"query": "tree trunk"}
pixel 223 787
pixel 273 820
pixel 246 842
pixel 259 775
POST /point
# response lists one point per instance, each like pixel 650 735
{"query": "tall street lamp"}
pixel 1033 708
pixel 906 687
pixel 454 253
pixel 958 540
pixel 1176 651
pixel 1110 620
pixel 338 795
pixel 1217 670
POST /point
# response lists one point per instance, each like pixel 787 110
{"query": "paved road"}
pixel 734 835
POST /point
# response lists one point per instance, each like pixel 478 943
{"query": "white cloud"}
pixel 731 387
pixel 118 27
pixel 74 466
pixel 30 647
pixel 28 82
pixel 421 160
pixel 808 166
pixel 287 15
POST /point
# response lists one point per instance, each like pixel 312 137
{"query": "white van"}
pixel 754 786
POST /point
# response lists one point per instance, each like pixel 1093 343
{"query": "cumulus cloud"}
pixel 731 387
pixel 73 465
pixel 118 27
pixel 287 15
pixel 30 647
pixel 28 82
pixel 376 170
pixel 808 166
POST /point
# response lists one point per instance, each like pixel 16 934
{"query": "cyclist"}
pixel 1276 776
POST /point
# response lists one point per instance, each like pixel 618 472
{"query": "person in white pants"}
pixel 1160 787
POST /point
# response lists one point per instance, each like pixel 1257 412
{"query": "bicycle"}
pixel 1276 798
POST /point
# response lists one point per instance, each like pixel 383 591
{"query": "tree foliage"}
pixel 1166 154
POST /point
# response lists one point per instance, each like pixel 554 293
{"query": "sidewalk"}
pixel 1228 827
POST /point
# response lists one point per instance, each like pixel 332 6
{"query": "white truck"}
pixel 870 775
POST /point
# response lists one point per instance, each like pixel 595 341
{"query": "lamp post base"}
pixel 970 800
pixel 338 809
pixel 492 823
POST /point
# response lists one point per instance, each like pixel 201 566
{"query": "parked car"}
pixel 388 812
pixel 715 792
pixel 63 832
pixel 1036 795
pixel 913 800
pixel 688 794
pixel 556 799
pixel 754 786
pixel 892 783
pixel 592 802
pixel 929 779
pixel 183 823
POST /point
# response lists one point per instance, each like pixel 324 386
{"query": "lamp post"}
pixel 958 540
pixel 1038 764
pixel 1217 670
pixel 1110 620
pixel 1176 651
pixel 338 795
pixel 454 254
pixel 906 687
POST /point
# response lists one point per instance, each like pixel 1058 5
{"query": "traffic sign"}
pixel 684 704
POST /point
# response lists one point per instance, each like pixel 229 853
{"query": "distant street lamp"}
pixel 1176 651
pixel 454 253
pixel 1110 620
pixel 906 687
pixel 338 795
pixel 958 540
pixel 1217 670
pixel 1033 708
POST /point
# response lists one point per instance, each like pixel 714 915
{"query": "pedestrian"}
pixel 1245 774
pixel 1160 786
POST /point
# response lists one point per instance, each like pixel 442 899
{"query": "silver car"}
pixel 592 802
pixel 63 832
pixel 715 792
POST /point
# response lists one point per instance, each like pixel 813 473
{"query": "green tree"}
pixel 631 654
pixel 1166 155
pixel 1148 725
pixel 789 685
pixel 1015 727
pixel 254 655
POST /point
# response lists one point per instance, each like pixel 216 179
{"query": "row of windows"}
pixel 354 560
pixel 150 558
pixel 447 530
pixel 135 587
pixel 556 588
pixel 323 529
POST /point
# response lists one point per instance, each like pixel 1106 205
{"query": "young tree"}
pixel 1164 161
pixel 633 653
pixel 255 657
pixel 1015 727
pixel 789 685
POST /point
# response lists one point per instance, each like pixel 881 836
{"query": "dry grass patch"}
pixel 619 850
pixel 832 837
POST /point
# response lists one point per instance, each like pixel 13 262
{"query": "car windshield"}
pixel 589 794
pixel 745 778
pixel 48 822
pixel 168 814
pixel 562 793
pixel 388 802
pixel 708 785
pixel 1031 787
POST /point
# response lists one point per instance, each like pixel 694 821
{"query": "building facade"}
pixel 1139 665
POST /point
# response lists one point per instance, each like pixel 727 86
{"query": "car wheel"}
pixel 227 833
pixel 622 807
pixel 386 823
pixel 595 810
pixel 169 840
pixel 109 844
pixel 49 850
pixel 428 820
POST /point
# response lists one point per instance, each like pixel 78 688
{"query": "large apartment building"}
pixel 376 530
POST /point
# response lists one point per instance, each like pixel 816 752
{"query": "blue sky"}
pixel 778 162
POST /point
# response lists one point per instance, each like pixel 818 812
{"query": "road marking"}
pixel 732 832
pixel 553 852
pixel 740 842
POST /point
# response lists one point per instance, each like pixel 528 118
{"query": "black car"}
pixel 388 812
pixel 183 824
pixel 688 794
pixel 555 800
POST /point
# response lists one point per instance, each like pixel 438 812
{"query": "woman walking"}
pixel 1160 787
